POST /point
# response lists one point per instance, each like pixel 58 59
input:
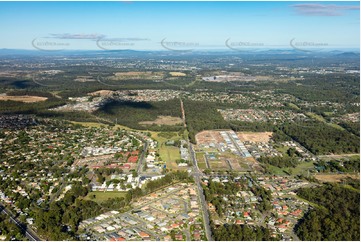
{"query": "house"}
pixel 178 237
pixel 211 207
pixel 144 235
pixel 167 238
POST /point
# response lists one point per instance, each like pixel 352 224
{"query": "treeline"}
pixel 320 138
pixel 351 127
pixel 13 107
pixel 131 113
pixel 337 218
pixel 352 164
pixel 232 232
pixel 168 179
pixel 202 116
pixel 29 92
pixel 281 162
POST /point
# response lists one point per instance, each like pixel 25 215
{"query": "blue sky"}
pixel 178 25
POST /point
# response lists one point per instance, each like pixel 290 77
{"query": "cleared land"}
pixel 135 75
pixel 335 177
pixel 256 137
pixel 24 99
pixel 163 120
pixel 175 73
pixel 101 93
pixel 209 136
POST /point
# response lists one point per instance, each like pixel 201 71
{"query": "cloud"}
pixel 94 37
pixel 314 9
pixel 77 36
pixel 124 39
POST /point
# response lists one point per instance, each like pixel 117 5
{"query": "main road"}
pixel 197 174
pixel 29 233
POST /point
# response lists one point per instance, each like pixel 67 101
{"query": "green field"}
pixel 169 154
pixel 294 106
pixel 103 196
pixel 298 170
pixel 200 160
pixel 302 168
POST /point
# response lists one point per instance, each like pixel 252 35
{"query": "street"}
pixel 30 234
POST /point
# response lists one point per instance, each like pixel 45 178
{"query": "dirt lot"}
pixel 209 136
pixel 84 79
pixel 101 93
pixel 163 120
pixel 334 177
pixel 175 73
pixel 25 99
pixel 256 137
pixel 133 75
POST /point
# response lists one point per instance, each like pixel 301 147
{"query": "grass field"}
pixel 303 167
pixel 200 160
pixel 169 154
pixel 294 106
pixel 103 196
pixel 282 149
pixel 298 170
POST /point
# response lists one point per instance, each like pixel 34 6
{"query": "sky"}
pixel 178 25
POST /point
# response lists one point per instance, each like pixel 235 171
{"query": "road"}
pixel 183 114
pixel 30 234
pixel 197 174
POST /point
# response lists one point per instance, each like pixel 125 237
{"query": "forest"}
pixel 202 116
pixel 336 216
pixel 131 113
pixel 322 139
pixel 232 232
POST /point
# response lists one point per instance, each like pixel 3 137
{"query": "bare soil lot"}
pixel 176 73
pixel 209 136
pixel 257 137
pixel 163 120
pixel 134 75
pixel 101 93
pixel 25 99
pixel 335 177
